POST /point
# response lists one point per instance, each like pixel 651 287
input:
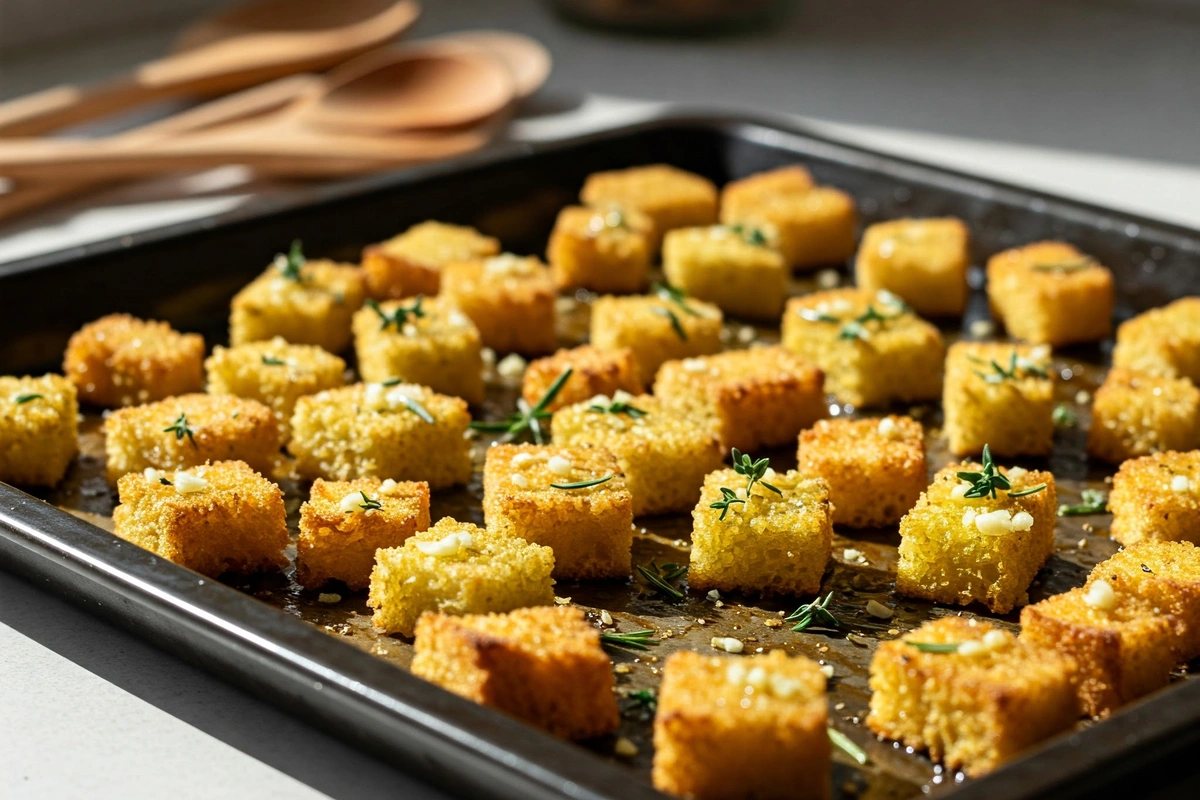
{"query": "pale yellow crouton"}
pixel 671 197
pixel 1157 497
pixel 1051 293
pixel 404 432
pixel 1165 575
pixel 274 373
pixel 542 495
pixel 873 349
pixel 958 550
pixel 656 329
pixel 1163 341
pixel 922 261
pixel 593 372
pixel 816 227
pixel 742 728
pixel 738 268
pixel 120 360
pixel 772 543
pixel 423 341
pixel 875 469
pixel 792 179
pixel 975 707
pixel 38 429
pixel 999 394
pixel 411 264
pixel 543 665
pixel 343 523
pixel 1122 649
pixel 601 249
pixel 509 298
pixel 457 568
pixel 188 431
pixel 762 397
pixel 212 518
pixel 662 452
pixel 1135 414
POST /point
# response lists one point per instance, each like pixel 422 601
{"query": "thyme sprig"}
pixel 181 429
pixel 815 613
pixel 291 263
pixel 987 482
pixel 856 328
pixel 754 471
pixel 617 407
pixel 636 640
pixel 847 746
pixel 22 399
pixel 272 361
pixel 999 373
pixel 728 498
pixel 527 417
pixel 368 503
pixel 936 647
pixel 1093 501
pixel 1064 417
pixel 582 484
pixel 400 316
pixel 660 577
pixel 1065 266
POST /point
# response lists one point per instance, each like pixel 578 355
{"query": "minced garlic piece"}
pixel 728 644
pixel 1180 483
pixel 888 428
pixel 511 366
pixel 519 480
pixel 1100 596
pixel 187 483
pixel 448 546
pixel 521 458
pixel 878 609
pixel 559 466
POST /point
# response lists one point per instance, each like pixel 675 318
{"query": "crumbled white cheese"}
pixel 994 523
pixel 1180 483
pixel 878 609
pixel 389 487
pixel 153 475
pixel 960 490
pixel 968 517
pixel 521 458
pixel 519 480
pixel 1100 596
pixel 351 503
pixel 511 366
pixel 1022 521
pixel 888 428
pixel 187 483
pixel 728 644
pixel 694 365
pixel 560 466
pixel 448 546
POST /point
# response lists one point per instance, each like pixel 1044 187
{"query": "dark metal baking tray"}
pixel 187 273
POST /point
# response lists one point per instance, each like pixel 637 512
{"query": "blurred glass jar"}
pixel 673 16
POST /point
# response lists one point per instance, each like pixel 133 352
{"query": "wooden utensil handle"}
pixel 61 106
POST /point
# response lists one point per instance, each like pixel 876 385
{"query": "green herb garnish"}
pixel 754 471
pixel 291 264
pixel 165 482
pixel 409 403
pixel 617 407
pixel 582 484
pixel 527 417
pixel 660 577
pixel 999 374
pixel 728 498
pixel 847 746
pixel 1093 501
pixel 22 399
pixel 368 504
pixel 676 325
pixel 1065 266
pixel 180 428
pixel 815 613
pixel 271 361
pixel 644 697
pixel 812 315
pixel 1027 492
pixel 987 482
pixel 400 316
pixel 751 236
pixel 637 640
pixel 676 296
pixel 1064 417
pixel 934 647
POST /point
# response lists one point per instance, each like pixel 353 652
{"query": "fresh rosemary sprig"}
pixel 582 484
pixel 290 264
pixel 22 399
pixel 1064 417
pixel 847 746
pixel 989 481
pixel 644 697
pixel 617 407
pixel 272 361
pixel 369 504
pixel 527 417
pixel 1000 374
pixel 180 428
pixel 636 640
pixel 815 613
pixel 412 405
pixel 400 316
pixel 660 577
pixel 1093 501
pixel 935 647
pixel 671 316
pixel 1027 492
pixel 676 296
pixel 1065 266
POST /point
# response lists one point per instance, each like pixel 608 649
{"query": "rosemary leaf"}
pixel 1094 501
pixel 1029 491
pixel 582 484
pixel 847 746
pixel 660 577
pixel 935 647
pixel 526 417
pixel 676 325
pixel 636 640
pixel 271 361
pixel 22 399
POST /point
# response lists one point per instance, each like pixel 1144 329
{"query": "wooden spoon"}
pixel 528 61
pixel 286 142
pixel 252 44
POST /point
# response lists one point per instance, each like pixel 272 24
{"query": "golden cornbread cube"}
pixel 1167 576
pixel 304 301
pixel 738 268
pixel 274 373
pixel 792 179
pixel 958 550
pixel 1000 395
pixel 590 528
pixel 1135 414
pixel 978 705
pixel 875 468
pixel 772 543
pixel 188 431
pixel 593 372
pixel 343 523
pixel 873 350
pixel 663 454
pixel 601 249
pixel 38 429
pixel 411 264
pixel 656 329
pixel 761 397
pixel 730 727
pixel 121 360
pixel 922 261
pixel 509 298
pixel 370 430
pixel 543 665
pixel 671 197
pixel 1122 649
pixel 1157 497
pixel 1162 341
pixel 816 227
pixel 457 568
pixel 213 518
pixel 423 341
pixel 1050 293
